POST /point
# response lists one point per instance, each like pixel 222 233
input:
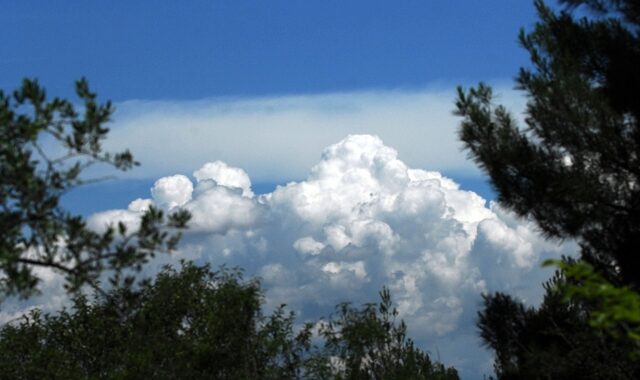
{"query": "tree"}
pixel 574 170
pixel 200 324
pixel 369 343
pixel 615 309
pixel 36 230
pixel 553 341
pixel 194 324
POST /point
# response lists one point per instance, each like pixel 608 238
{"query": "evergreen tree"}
pixel 44 147
pixel 370 343
pixel 552 341
pixel 574 169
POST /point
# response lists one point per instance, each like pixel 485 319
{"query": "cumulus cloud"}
pixel 225 175
pixel 173 191
pixel 362 219
pixel 129 217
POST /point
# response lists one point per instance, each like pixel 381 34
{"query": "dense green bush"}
pixel 201 324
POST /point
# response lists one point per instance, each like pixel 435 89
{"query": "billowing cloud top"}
pixel 361 220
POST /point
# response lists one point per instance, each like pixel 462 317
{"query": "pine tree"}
pixel 45 145
pixel 574 169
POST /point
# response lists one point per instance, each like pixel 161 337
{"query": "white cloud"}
pixel 362 219
pixel 308 245
pixel 174 191
pixel 129 217
pixel 219 208
pixel 277 138
pixel 225 175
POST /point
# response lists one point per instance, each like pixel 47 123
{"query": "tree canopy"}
pixel 573 168
pixel 196 323
pixel 555 340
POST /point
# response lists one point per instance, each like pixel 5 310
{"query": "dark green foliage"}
pixel 199 324
pixel 369 343
pixel 553 341
pixel 576 166
pixel 192 324
pixel 574 169
pixel 45 145
pixel 615 309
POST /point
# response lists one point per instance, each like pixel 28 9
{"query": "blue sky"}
pixel 175 50
pixel 196 49
pixel 273 89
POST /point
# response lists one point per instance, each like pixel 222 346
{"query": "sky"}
pixel 176 50
pixel 315 135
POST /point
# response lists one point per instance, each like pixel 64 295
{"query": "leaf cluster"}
pixel 575 167
pixel 200 324
pixel 553 341
pixel 616 309
pixel 370 343
pixel 45 145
